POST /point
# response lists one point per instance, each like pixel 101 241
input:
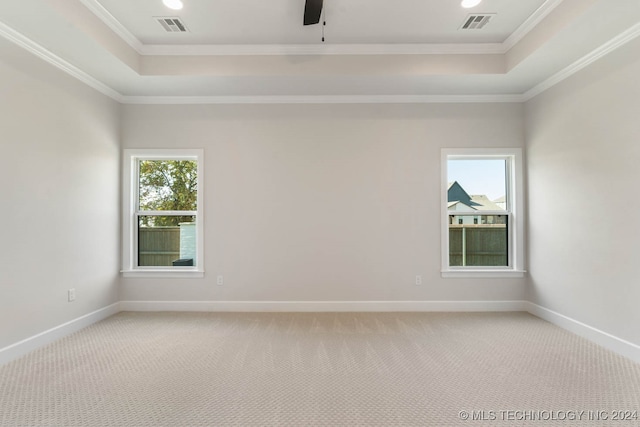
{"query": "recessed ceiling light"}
pixel 470 3
pixel 173 4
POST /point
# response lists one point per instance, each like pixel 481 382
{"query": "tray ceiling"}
pixel 374 51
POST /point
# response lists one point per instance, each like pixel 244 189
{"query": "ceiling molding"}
pixel 53 59
pixel 310 49
pixel 322 49
pixel 110 21
pixel 613 44
pixel 531 22
pixel 326 99
pixel 325 49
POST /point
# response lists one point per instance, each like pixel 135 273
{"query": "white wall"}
pixel 59 178
pixel 583 150
pixel 322 202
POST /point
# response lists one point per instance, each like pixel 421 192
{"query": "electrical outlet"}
pixel 71 293
pixel 220 280
pixel 418 280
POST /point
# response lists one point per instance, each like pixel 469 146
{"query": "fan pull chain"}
pixel 324 23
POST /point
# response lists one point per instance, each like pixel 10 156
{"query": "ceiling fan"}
pixel 312 12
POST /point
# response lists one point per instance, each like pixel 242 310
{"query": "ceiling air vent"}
pixel 172 24
pixel 476 21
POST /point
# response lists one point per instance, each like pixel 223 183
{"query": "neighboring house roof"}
pixel 459 199
pixel 459 206
pixel 455 193
pixel 482 203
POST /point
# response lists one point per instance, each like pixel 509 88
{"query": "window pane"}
pixel 166 241
pixel 478 240
pixel 477 184
pixel 168 185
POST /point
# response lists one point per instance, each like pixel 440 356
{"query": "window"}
pixel 482 222
pixel 162 213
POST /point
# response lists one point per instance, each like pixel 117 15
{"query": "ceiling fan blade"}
pixel 312 11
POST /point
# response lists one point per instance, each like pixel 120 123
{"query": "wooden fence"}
pixel 158 246
pixel 478 245
pixel 469 244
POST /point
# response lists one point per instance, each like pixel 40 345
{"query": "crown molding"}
pixel 323 49
pixel 542 12
pixel 274 49
pixel 41 52
pixel 53 59
pixel 116 26
pixel 330 99
pixel 613 44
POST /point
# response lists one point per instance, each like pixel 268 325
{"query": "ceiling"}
pixel 279 22
pixel 373 50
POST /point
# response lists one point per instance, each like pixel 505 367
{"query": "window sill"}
pixel 163 274
pixel 482 274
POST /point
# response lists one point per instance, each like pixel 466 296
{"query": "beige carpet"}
pixel 319 369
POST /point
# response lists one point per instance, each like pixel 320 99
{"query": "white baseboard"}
pixel 322 306
pixel 606 340
pixel 611 342
pixel 23 347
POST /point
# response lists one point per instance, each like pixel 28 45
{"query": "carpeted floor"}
pixel 320 369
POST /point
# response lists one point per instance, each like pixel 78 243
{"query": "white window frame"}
pixel 514 211
pixel 130 188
